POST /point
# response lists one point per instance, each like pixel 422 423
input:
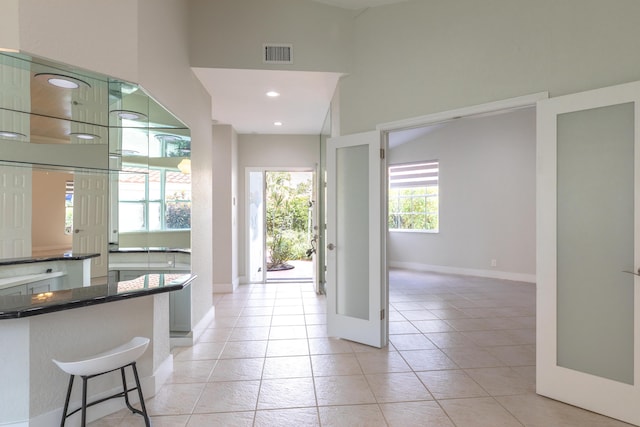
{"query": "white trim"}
pixel 490 107
pixel 492 274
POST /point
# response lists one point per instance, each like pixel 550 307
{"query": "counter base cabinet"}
pixel 179 302
pixel 38 287
pixel 69 335
pixel 180 310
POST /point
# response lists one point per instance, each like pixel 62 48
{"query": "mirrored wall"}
pixel 91 164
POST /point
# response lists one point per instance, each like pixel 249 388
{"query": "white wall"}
pixel 270 152
pixel 166 73
pixel 423 56
pixel 224 212
pixel 487 198
pixel 230 34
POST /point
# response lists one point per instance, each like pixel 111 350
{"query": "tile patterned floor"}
pixel 461 353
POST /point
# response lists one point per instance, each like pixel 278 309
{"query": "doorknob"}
pixel 77 230
pixel 331 246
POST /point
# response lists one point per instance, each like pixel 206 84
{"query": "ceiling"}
pixel 238 96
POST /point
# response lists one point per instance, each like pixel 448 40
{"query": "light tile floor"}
pixel 461 353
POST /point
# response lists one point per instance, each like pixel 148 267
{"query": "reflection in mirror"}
pixel 50 211
pixel 91 164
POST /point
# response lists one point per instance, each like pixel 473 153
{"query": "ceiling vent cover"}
pixel 277 53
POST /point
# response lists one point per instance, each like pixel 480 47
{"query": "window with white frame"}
pixel 413 196
pixel 153 199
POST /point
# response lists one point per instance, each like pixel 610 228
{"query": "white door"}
pixel 15 205
pixel 588 250
pixel 90 216
pixel 357 293
pixel 255 208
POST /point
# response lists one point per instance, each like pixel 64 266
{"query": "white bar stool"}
pixel 105 362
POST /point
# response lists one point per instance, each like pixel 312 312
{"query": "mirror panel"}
pixel 103 142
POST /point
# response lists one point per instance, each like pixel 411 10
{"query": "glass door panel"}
pixel 352 231
pixel 596 241
pixel 255 215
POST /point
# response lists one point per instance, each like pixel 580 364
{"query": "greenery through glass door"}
pixel 288 217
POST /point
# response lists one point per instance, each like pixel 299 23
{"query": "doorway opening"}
pixel 281 225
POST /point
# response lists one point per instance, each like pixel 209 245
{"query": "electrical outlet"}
pixel 494 263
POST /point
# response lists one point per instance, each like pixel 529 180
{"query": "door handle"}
pixel 331 246
pixel 77 230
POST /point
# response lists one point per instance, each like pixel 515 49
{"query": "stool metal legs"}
pixel 124 393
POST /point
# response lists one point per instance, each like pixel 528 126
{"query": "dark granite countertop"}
pixel 18 306
pixel 150 249
pixel 63 256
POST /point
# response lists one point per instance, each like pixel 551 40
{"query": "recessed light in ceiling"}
pixel 62 81
pixel 11 134
pixel 129 115
pixel 86 136
pixel 277 123
pixel 273 94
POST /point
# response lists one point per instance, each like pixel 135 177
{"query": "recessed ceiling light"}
pixel 129 115
pixel 10 134
pixel 87 136
pixel 277 123
pixel 273 94
pixel 62 81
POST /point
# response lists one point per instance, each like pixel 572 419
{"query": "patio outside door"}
pixel 588 312
pixel 357 293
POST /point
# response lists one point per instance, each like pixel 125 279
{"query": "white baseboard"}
pixel 223 288
pixel 160 376
pixel 192 337
pixel 492 274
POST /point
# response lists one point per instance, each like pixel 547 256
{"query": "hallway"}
pixel 461 353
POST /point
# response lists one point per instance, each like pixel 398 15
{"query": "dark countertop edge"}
pixel 151 250
pixel 47 258
pixel 35 311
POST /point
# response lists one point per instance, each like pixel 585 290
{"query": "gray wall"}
pixel 230 34
pixel 487 198
pixel 423 56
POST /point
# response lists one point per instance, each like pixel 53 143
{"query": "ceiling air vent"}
pixel 277 53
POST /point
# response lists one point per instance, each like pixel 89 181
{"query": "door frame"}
pixel 311 169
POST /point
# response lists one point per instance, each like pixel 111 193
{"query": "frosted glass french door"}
pixel 357 297
pixel 256 262
pixel 588 250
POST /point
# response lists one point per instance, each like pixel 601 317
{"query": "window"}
pixel 154 199
pixel 68 207
pixel 413 196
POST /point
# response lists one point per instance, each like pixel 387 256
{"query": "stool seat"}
pixel 108 360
